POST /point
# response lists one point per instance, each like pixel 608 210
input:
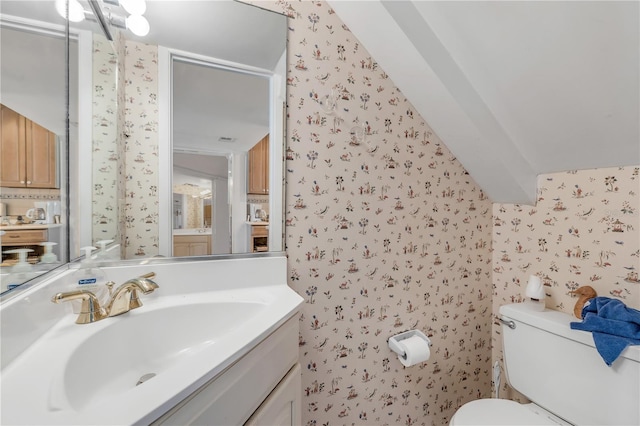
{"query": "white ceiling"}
pixel 209 103
pixel 514 89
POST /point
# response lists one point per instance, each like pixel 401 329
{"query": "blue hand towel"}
pixel 614 326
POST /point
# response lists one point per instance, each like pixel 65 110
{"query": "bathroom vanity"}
pixel 215 343
pixel 259 238
pixel 30 236
pixel 263 388
pixel 191 242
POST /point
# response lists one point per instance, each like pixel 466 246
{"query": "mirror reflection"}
pixel 120 195
pixel 223 115
pixel 33 167
pixel 201 221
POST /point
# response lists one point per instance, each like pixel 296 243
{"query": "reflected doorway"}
pixel 201 209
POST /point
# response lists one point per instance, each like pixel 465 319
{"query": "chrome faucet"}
pixel 122 300
pixel 90 311
pixel 125 297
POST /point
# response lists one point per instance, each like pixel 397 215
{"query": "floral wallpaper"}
pixel 106 154
pixel 385 232
pixel 141 150
pixel 193 210
pixel 583 230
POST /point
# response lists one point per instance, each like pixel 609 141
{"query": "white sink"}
pixel 148 342
pixel 182 337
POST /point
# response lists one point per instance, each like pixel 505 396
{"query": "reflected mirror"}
pixel 201 219
pixel 222 114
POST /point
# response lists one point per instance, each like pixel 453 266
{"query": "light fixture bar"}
pixel 97 12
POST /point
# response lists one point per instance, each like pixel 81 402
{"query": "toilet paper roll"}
pixel 416 351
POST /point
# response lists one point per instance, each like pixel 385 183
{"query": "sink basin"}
pixel 174 344
pixel 147 342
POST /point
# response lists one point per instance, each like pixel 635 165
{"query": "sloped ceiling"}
pixel 514 89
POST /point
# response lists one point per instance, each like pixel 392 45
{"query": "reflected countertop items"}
pixel 192 231
pixel 29 226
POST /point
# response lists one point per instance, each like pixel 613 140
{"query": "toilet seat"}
pixel 502 412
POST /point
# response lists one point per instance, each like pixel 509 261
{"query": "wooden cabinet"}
pixel 282 407
pixel 191 245
pixel 258 182
pixel 262 387
pixel 259 238
pixel 26 237
pixel 23 238
pixel 27 152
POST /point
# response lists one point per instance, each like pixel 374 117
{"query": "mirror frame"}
pixel 277 123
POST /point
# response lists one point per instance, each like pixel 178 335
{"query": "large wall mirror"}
pixel 40 73
pixel 225 124
pixel 199 161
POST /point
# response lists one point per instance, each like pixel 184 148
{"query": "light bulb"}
pixel 134 7
pixel 76 12
pixel 138 25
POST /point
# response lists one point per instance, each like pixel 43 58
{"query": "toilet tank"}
pixel 560 369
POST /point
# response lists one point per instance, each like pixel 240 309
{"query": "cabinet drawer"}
pixel 28 236
pixel 260 230
pixel 204 238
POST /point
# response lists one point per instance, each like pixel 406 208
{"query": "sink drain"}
pixel 144 378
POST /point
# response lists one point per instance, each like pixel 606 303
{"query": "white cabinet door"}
pixel 282 406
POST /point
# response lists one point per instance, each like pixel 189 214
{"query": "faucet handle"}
pixel 126 296
pixel 90 310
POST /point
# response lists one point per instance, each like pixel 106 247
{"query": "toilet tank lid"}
pixel 499 412
pixel 557 322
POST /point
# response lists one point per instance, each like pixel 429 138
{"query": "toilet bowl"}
pixel 502 412
pixel 561 370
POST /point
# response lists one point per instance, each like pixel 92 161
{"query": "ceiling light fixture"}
pixel 76 11
pixel 134 22
pixel 134 7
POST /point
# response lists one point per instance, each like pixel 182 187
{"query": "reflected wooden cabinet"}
pixel 259 238
pixel 24 238
pixel 191 245
pixel 258 182
pixel 27 152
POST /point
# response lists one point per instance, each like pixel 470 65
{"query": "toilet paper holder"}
pixel 393 341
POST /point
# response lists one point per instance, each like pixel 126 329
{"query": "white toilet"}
pixel 559 370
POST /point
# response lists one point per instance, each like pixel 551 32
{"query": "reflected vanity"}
pixel 100 117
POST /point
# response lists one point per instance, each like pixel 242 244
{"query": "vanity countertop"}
pixel 235 303
pixel 261 223
pixel 192 231
pixel 29 226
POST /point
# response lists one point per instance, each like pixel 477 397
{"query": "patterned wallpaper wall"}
pixel 193 210
pixel 387 233
pixel 106 155
pixel 141 150
pixel 584 230
pixel 383 235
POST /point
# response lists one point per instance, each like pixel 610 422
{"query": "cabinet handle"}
pixel 14 236
pixel 28 182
